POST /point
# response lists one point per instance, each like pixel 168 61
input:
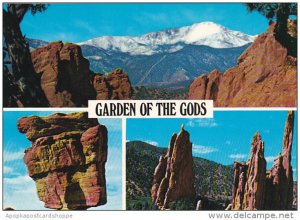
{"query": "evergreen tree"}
pixel 280 13
pixel 30 92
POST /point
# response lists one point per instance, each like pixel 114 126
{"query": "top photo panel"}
pixel 237 54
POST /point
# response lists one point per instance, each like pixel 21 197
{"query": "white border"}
pixel 130 214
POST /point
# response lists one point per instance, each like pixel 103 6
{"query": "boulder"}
pixel 67 159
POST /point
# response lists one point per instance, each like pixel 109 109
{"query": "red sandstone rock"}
pixel 159 174
pixel 65 74
pixel 67 159
pixel 261 190
pixel 280 178
pixel 115 85
pixel 265 76
pixel 239 182
pixel 178 180
pixel 254 196
pixel 198 88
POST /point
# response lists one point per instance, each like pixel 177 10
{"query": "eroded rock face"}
pixel 280 178
pixel 65 74
pixel 67 159
pixel 239 182
pixel 67 80
pixel 254 195
pixel 264 76
pixel 254 188
pixel 205 86
pixel 174 175
pixel 115 85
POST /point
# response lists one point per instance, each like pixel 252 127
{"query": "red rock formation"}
pixel 174 175
pixel 280 178
pixel 67 159
pixel 205 86
pixel 254 195
pixel 264 76
pixel 256 189
pixel 159 174
pixel 65 74
pixel 115 85
pixel 239 182
pixel 66 77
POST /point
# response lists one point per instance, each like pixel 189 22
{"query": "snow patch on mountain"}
pixel 169 41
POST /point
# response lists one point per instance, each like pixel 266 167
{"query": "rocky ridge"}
pixel 67 159
pixel 265 75
pixel 174 175
pixel 67 80
pixel 254 188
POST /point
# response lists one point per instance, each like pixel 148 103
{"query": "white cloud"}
pixel 228 142
pixel 12 156
pixel 7 169
pixel 85 26
pixel 19 188
pixel 199 149
pixel 152 142
pixel 270 159
pixel 63 36
pixel 19 180
pixel 112 124
pixel 203 122
pixel 161 18
pixel 238 156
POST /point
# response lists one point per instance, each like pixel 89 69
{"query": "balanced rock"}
pixel 67 159
pixel 115 85
pixel 65 74
pixel 265 76
pixel 174 175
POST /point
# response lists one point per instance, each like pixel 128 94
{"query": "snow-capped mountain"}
pixel 204 33
pixel 167 57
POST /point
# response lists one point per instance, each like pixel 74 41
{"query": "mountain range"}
pixel 166 57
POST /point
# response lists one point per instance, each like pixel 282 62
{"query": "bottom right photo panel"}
pixel 237 160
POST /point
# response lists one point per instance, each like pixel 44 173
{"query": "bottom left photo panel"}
pixel 60 160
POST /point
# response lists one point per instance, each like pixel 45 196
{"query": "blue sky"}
pixel 19 187
pixel 225 138
pixel 80 22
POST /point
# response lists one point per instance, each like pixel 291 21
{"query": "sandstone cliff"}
pixel 67 80
pixel 265 76
pixel 67 159
pixel 115 85
pixel 254 188
pixel 174 176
